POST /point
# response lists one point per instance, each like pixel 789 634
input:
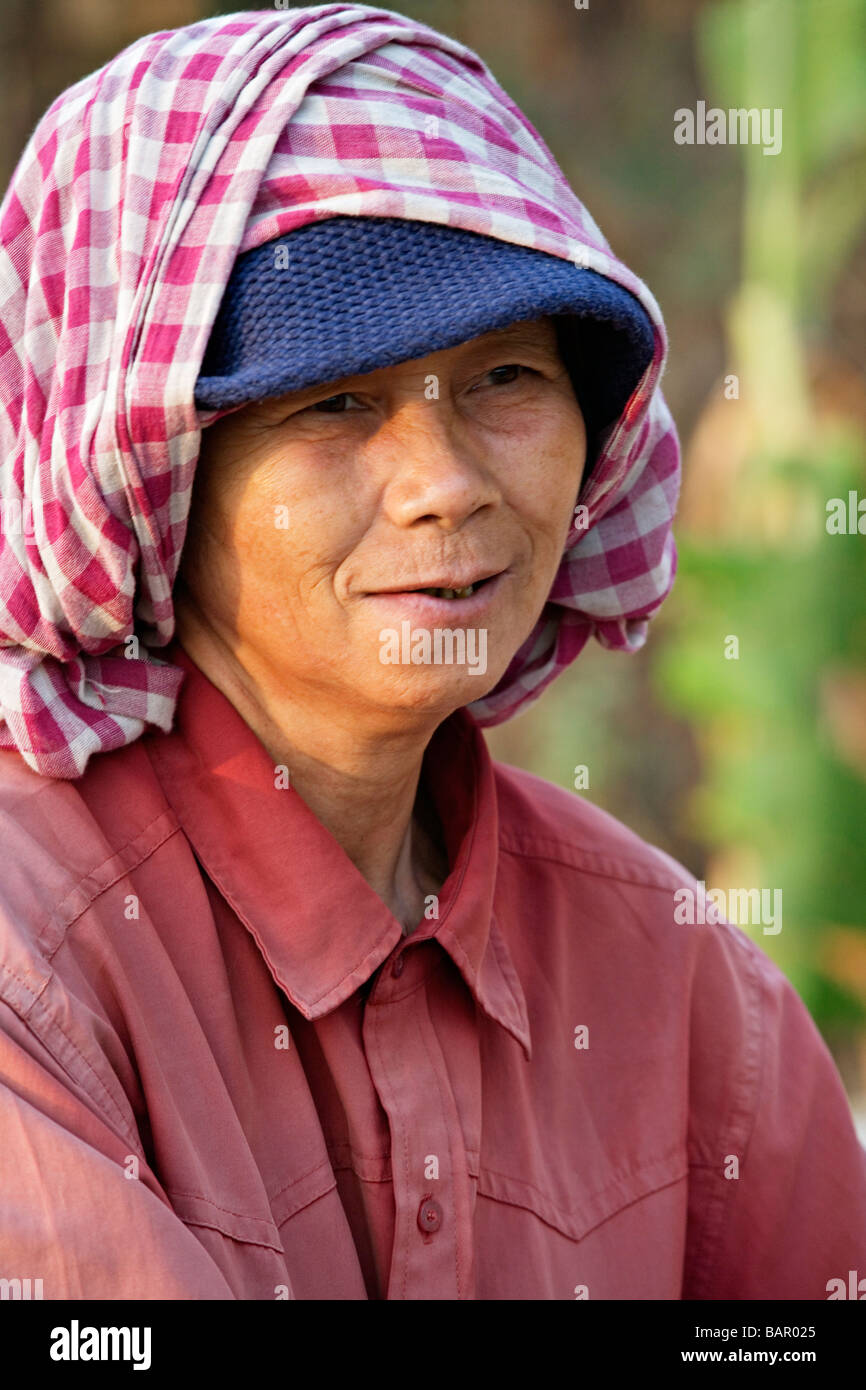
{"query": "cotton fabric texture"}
pixel 137 191
pixel 225 1073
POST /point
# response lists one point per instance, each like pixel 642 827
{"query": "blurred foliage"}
pixel 782 728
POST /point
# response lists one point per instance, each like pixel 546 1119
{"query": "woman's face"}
pixel 317 517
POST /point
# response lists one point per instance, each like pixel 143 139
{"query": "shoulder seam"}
pixel 589 861
pixel 118 1124
pixel 103 876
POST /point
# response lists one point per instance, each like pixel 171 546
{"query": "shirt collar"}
pixel 319 925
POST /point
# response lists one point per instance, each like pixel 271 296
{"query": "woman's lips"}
pixel 425 608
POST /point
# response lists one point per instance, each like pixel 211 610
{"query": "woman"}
pixel 302 995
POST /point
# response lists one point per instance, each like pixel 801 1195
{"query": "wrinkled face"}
pixel 318 518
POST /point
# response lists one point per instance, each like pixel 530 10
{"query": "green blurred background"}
pixel 750 771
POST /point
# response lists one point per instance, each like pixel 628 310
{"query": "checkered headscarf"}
pixel 135 193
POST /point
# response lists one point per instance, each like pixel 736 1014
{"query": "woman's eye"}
pixel 334 405
pixel 510 367
pixel 330 405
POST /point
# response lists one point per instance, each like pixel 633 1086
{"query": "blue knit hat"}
pixel 347 295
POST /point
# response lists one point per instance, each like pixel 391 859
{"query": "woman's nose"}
pixel 433 471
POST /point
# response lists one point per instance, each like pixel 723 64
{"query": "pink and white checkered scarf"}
pixel 119 230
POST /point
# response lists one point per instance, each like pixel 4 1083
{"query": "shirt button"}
pixel 429 1215
pixel 397 967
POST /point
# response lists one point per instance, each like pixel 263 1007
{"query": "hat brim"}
pixel 348 295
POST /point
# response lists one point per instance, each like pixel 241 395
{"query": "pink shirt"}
pixel 225 1073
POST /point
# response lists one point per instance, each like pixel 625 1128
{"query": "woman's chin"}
pixel 433 690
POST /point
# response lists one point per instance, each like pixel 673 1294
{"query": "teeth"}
pixel 451 593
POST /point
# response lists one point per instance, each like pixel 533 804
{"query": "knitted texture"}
pixel 351 294
pixel 134 195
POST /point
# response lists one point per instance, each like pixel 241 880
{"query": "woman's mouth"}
pixel 465 600
pixel 467 592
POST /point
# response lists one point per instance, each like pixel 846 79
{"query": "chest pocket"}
pixel 577 1212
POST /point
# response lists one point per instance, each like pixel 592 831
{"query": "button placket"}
pixel 432 1255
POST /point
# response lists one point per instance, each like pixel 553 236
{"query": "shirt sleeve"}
pixel 777 1204
pixel 76 1211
